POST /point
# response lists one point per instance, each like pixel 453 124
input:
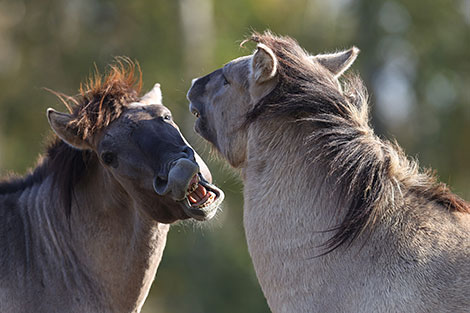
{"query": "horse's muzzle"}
pixel 179 177
pixel 186 185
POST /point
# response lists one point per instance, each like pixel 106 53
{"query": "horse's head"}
pixel 142 150
pixel 225 99
pixel 220 101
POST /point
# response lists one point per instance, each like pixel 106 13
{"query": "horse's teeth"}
pixel 192 200
pixel 192 188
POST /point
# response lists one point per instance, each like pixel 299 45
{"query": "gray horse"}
pixel 336 219
pixel 85 231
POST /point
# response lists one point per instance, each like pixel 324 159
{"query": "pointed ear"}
pixel 60 125
pixel 154 96
pixel 263 64
pixel 337 63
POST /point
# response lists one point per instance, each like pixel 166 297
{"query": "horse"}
pixel 86 229
pixel 337 219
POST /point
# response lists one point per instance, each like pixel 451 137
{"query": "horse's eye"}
pixel 167 117
pixel 109 158
pixel 226 82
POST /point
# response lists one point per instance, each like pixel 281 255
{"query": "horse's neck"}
pixel 126 246
pixel 289 206
pixel 104 248
pixel 290 199
pixel 39 255
pixel 282 179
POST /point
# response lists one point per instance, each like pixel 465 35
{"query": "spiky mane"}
pixel 373 173
pixel 102 99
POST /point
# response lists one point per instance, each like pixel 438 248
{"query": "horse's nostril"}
pixel 160 185
pixel 189 153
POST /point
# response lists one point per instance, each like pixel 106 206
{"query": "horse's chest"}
pixel 284 239
pixel 282 247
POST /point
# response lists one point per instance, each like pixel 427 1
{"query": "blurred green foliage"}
pixel 414 60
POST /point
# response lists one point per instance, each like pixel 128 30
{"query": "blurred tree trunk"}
pixel 198 35
pixel 198 27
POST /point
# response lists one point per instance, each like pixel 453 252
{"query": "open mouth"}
pixel 202 199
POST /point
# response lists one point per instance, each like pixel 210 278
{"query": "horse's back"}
pixel 427 259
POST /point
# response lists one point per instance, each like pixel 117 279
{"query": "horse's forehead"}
pixel 239 65
pixel 140 112
pixel 139 106
pixel 136 122
pixel 133 117
pixel 241 61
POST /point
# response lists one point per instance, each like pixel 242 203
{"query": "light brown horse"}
pixel 85 231
pixel 336 219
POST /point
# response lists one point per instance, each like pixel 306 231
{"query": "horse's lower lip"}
pixel 200 127
pixel 204 211
pixel 197 125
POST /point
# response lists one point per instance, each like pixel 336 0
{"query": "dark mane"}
pixel 373 173
pixel 11 184
pixel 102 99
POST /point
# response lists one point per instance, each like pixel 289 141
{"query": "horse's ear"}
pixel 263 64
pixel 154 96
pixel 337 63
pixel 60 124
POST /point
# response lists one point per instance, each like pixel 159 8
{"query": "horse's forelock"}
pixel 103 97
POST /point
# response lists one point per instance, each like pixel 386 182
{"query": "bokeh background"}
pixel 414 60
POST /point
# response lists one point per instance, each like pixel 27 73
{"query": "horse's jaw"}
pixel 203 199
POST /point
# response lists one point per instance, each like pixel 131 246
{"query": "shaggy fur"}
pixel 101 101
pixel 375 170
pixel 84 232
pixel 336 219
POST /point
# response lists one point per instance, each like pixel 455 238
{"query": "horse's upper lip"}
pixel 202 206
